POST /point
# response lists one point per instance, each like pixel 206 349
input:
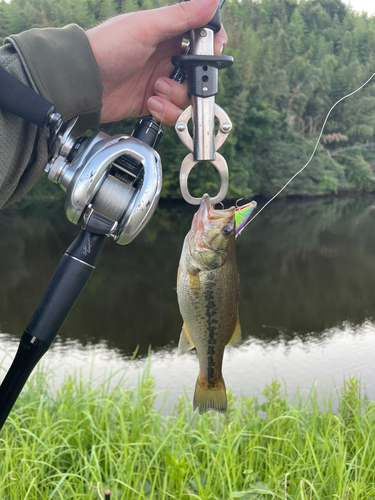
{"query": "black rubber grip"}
pixel 22 101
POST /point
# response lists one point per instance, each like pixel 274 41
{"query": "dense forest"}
pixel 293 61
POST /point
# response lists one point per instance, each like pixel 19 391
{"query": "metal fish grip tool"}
pixel 201 66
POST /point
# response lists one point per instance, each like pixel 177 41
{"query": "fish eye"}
pixel 227 230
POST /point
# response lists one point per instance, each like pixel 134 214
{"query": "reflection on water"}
pixel 307 273
pixel 247 369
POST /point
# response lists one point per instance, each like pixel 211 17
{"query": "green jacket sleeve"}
pixel 58 63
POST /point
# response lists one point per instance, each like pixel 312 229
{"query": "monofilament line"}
pixel 312 155
pixel 186 51
pixel 159 128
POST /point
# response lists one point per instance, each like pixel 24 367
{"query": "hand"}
pixel 133 52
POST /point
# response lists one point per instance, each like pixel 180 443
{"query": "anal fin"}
pixel 236 338
pixel 185 343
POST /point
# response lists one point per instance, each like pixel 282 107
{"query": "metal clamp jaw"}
pixel 225 126
pixel 112 184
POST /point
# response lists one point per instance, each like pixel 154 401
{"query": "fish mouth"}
pixel 202 215
pixel 207 215
pixel 205 206
pixel 207 211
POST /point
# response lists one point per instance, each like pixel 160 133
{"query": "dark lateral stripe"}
pixel 210 312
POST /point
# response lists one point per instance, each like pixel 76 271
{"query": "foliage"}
pixel 84 438
pixel 293 61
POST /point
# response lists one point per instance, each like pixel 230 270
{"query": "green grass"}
pixel 74 443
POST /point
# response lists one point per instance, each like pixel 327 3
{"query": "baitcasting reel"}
pixel 111 183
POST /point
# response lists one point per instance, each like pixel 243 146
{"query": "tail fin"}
pixel 214 398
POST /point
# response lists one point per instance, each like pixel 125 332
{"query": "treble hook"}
pixel 237 203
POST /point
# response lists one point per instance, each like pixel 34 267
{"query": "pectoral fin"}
pixel 192 267
pixel 185 343
pixel 178 275
pixel 237 336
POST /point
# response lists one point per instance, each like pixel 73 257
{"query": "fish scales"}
pixel 208 292
pixel 210 314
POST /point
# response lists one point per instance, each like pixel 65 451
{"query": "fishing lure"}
pixel 242 214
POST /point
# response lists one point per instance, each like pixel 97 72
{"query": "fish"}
pixel 208 297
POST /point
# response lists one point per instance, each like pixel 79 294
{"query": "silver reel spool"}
pixel 114 182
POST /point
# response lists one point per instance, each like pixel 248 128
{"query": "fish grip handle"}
pixel 215 23
pixel 201 72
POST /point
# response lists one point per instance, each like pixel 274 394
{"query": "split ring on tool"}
pixel 181 127
pixel 221 166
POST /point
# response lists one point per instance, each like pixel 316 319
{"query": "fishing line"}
pixel 185 52
pixel 168 99
pixel 186 49
pixel 159 128
pixel 312 155
pixel 165 110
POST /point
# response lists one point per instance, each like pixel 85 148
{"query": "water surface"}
pixel 307 307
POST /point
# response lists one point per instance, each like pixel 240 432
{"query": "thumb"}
pixel 168 22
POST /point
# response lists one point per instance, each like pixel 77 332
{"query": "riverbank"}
pixel 84 438
pixel 46 193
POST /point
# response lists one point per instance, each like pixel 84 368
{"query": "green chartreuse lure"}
pixel 242 215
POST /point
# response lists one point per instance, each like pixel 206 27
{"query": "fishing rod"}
pixel 112 187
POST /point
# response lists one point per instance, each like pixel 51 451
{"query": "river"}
pixel 307 270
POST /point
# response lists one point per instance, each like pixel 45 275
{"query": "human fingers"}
pixel 221 39
pixel 168 22
pixel 163 110
pixel 172 91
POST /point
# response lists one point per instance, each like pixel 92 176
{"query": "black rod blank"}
pixel 71 276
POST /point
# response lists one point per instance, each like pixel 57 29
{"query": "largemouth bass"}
pixel 208 294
